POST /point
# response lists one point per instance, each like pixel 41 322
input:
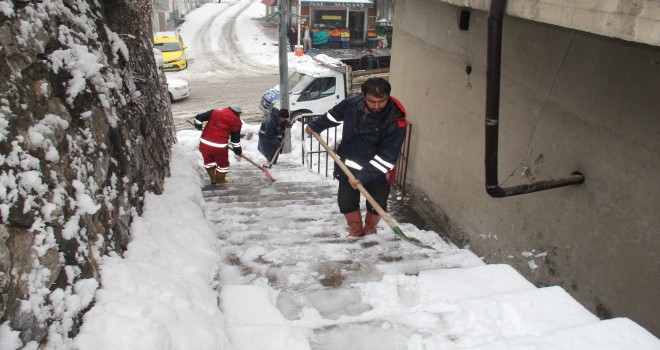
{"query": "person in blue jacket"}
pixel 374 128
pixel 271 132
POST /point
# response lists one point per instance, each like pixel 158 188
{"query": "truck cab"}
pixel 315 88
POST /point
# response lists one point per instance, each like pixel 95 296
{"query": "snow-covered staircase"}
pixel 287 255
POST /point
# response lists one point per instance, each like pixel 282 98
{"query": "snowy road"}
pixel 224 69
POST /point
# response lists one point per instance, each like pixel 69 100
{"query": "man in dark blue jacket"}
pixel 271 132
pixel 374 128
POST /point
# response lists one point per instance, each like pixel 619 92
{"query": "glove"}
pixel 198 126
pixel 238 151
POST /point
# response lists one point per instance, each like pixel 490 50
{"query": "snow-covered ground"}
pixel 176 289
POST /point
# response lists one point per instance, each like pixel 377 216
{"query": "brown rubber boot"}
pixel 354 222
pixel 212 173
pixel 222 178
pixel 370 223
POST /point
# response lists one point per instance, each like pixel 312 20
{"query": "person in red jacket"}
pixel 223 128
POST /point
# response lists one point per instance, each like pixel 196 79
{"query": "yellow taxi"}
pixel 173 49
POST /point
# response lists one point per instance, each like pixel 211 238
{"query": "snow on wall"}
pixel 85 132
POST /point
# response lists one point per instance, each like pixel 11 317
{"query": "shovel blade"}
pixel 267 173
pixel 412 240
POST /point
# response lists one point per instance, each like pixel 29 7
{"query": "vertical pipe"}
pixel 494 58
pixel 494 62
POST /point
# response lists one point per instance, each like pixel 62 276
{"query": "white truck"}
pixel 318 85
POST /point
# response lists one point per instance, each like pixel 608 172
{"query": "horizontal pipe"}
pixel 575 178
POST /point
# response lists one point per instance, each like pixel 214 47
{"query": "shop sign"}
pixel 335 4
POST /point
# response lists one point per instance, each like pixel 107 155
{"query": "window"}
pixel 319 88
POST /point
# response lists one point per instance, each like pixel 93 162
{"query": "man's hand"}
pixel 308 131
pixel 238 151
pixel 198 126
pixel 354 183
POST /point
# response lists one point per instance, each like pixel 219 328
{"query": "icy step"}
pixel 451 285
pixel 524 313
pixel 291 205
pixel 270 330
pixel 614 334
pixel 287 254
pixel 258 197
pixel 276 218
pixel 269 187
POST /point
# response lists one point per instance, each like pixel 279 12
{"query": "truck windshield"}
pixel 294 78
pixel 302 82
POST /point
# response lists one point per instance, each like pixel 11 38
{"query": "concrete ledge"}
pixel 637 21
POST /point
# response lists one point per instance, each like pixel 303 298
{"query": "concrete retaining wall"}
pixel 570 101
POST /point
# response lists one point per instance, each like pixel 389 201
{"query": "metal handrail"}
pixel 317 151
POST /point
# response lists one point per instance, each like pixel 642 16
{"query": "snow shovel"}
pixel 261 167
pixel 390 222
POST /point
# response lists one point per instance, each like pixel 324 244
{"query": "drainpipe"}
pixel 493 188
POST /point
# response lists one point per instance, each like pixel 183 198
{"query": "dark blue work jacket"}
pixel 371 143
pixel 271 135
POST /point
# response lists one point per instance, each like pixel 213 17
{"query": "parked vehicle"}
pixel 158 56
pixel 174 51
pixel 177 88
pixel 318 86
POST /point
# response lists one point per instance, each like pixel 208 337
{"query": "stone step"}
pixel 302 191
pixel 257 203
pixel 299 244
pixel 612 334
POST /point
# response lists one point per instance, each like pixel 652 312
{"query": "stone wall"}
pixel 85 131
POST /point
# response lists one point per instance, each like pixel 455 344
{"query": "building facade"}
pixel 168 14
pixel 578 92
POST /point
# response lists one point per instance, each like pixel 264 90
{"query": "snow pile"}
pixel 161 294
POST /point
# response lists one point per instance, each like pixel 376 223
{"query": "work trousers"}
pixel 215 157
pixel 348 198
pixel 307 44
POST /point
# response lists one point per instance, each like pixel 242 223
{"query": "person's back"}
pixel 271 132
pixel 222 130
pixel 221 124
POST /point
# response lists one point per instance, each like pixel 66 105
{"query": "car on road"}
pixel 174 51
pixel 177 88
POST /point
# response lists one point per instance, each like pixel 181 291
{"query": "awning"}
pixel 268 2
pixel 337 3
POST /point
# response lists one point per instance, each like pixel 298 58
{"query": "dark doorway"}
pixel 356 26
